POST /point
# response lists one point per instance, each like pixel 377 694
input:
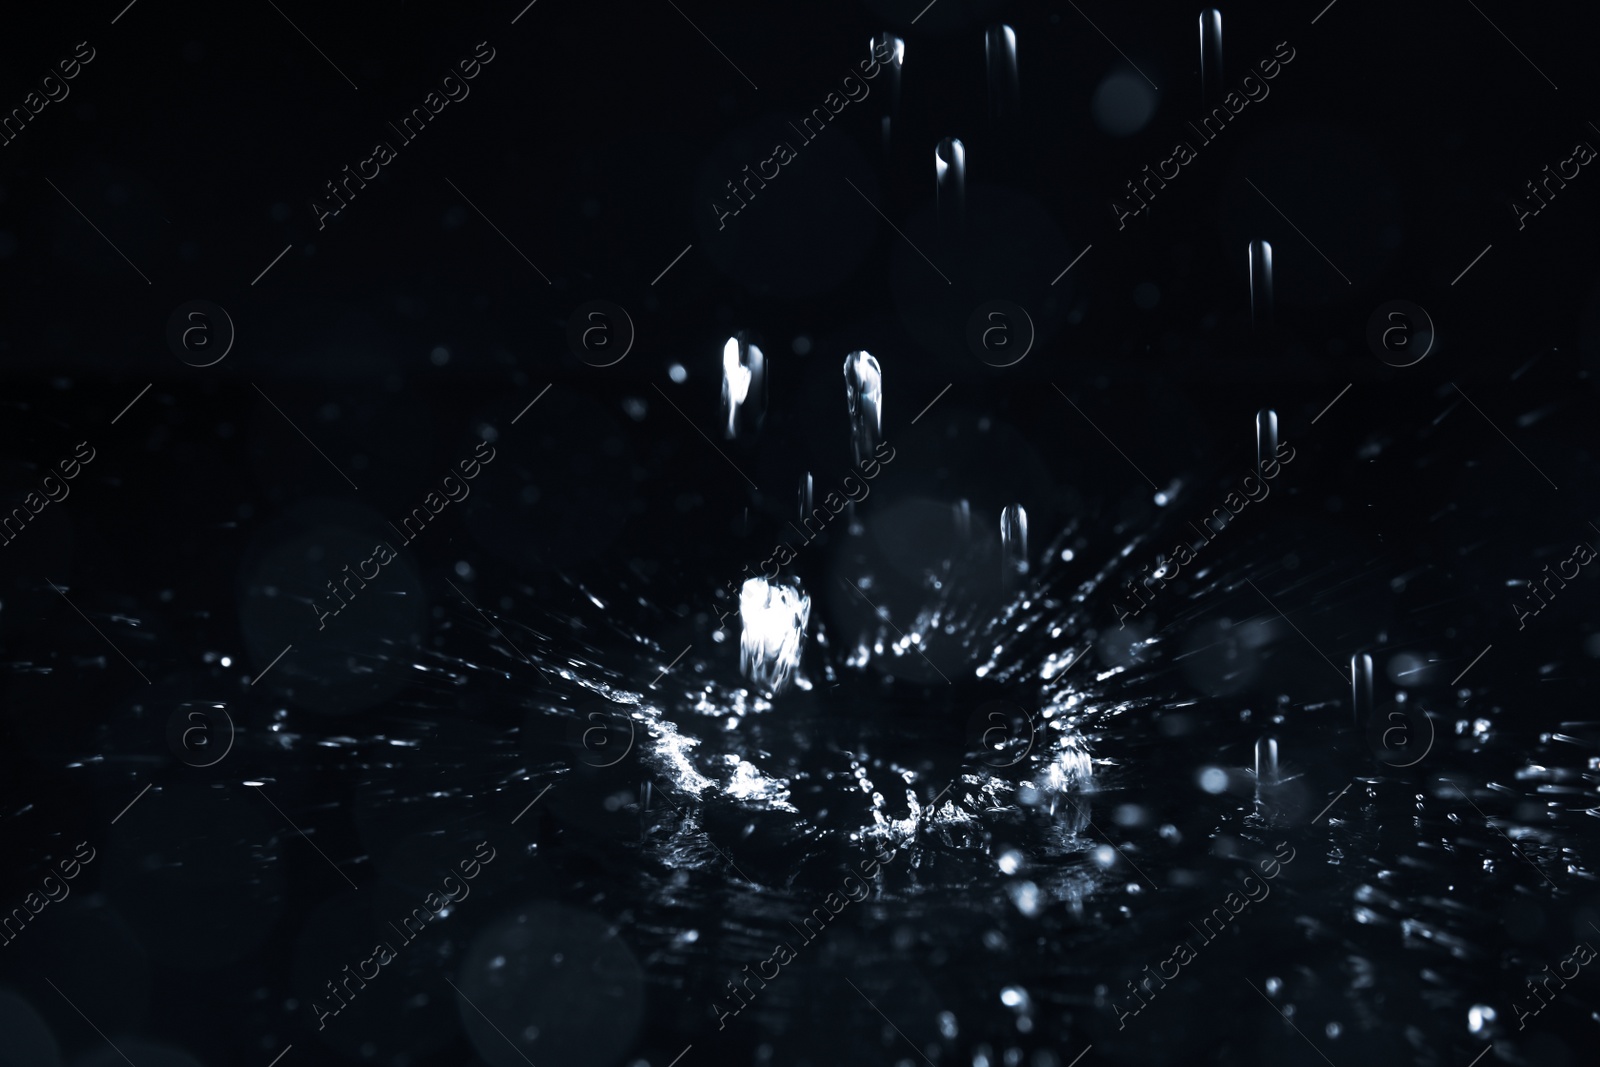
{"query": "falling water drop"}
pixel 774 617
pixel 1261 286
pixel 895 48
pixel 744 384
pixel 963 519
pixel 1211 56
pixel 806 495
pixel 1266 439
pixel 950 185
pixel 1000 54
pixel 1014 542
pixel 863 392
pixel 1266 761
pixel 1361 688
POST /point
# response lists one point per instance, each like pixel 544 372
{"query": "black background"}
pixel 195 142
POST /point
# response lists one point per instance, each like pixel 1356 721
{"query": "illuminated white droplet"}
pixel 1025 895
pixel 735 382
pixel 774 618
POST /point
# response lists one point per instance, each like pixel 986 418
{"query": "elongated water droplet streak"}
pixel 889 71
pixel 1211 90
pixel 774 617
pixel 744 384
pixel 1000 55
pixel 1361 698
pixel 1266 761
pixel 807 491
pixel 863 393
pixel 1014 543
pixel 1261 286
pixel 950 186
pixel 894 47
pixel 1266 439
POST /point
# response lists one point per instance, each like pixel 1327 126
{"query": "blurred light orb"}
pixel 1123 103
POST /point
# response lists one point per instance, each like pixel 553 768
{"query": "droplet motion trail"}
pixel 1267 773
pixel 774 616
pixel 1361 691
pixel 1000 57
pixel 863 393
pixel 895 48
pixel 1014 545
pixel 950 188
pixel 744 384
pixel 1261 314
pixel 1266 440
pixel 1211 89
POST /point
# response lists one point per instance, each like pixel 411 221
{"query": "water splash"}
pixel 774 617
pixel 1261 285
pixel 1000 55
pixel 863 392
pixel 744 383
pixel 1063 771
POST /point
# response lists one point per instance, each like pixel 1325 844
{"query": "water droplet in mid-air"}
pixel 1266 761
pixel 894 48
pixel 863 393
pixel 1014 542
pixel 1000 55
pixel 1266 439
pixel 744 383
pixel 774 617
pixel 1261 285
pixel 1361 687
pixel 1211 55
pixel 950 186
